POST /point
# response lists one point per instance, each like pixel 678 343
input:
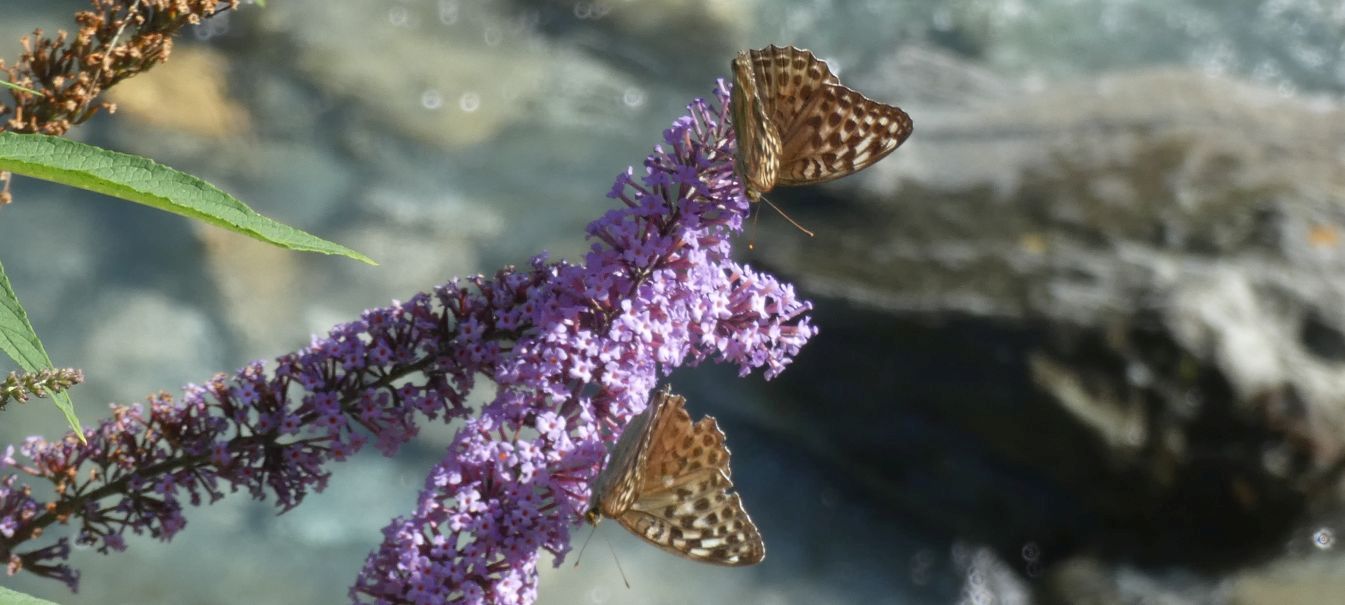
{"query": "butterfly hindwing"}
pixel 786 78
pixel 839 132
pixel 702 519
pixel 677 492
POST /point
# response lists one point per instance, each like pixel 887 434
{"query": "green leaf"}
pixel 8 84
pixel 147 182
pixel 19 341
pixel 261 3
pixel 10 597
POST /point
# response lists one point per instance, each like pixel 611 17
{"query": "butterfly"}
pixel 796 124
pixel 667 481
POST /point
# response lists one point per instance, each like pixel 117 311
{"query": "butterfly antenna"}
pixel 752 237
pixel 592 528
pixel 788 218
pixel 618 561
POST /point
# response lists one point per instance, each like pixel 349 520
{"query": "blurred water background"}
pixel 1083 336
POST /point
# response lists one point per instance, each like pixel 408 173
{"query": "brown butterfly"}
pixel 667 481
pixel 797 124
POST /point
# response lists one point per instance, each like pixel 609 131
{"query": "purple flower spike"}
pixel 657 290
pixel 574 349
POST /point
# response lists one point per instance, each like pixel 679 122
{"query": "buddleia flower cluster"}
pixel 573 349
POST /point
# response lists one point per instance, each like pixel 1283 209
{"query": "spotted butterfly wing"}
pixel 839 132
pixel 687 503
pixel 796 123
pixel 672 487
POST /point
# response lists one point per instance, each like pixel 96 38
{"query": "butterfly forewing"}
pixel 786 79
pixel 758 156
pixel 682 498
pixel 797 124
pixel 682 449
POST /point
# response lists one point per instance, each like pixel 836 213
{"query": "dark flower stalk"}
pixel 19 386
pixel 574 350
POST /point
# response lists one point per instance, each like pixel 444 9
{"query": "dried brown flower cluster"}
pixel 20 386
pixel 117 39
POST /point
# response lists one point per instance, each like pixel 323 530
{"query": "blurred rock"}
pixel 636 35
pixel 931 79
pixel 1088 581
pixel 45 270
pixel 44 14
pixel 989 580
pixel 260 288
pixel 266 290
pixel 188 94
pixel 1303 577
pixel 189 120
pixel 445 78
pixel 148 342
pixel 452 75
pixel 1105 314
pixel 420 239
pixel 1294 581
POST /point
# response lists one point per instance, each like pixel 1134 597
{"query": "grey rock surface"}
pixel 1100 317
